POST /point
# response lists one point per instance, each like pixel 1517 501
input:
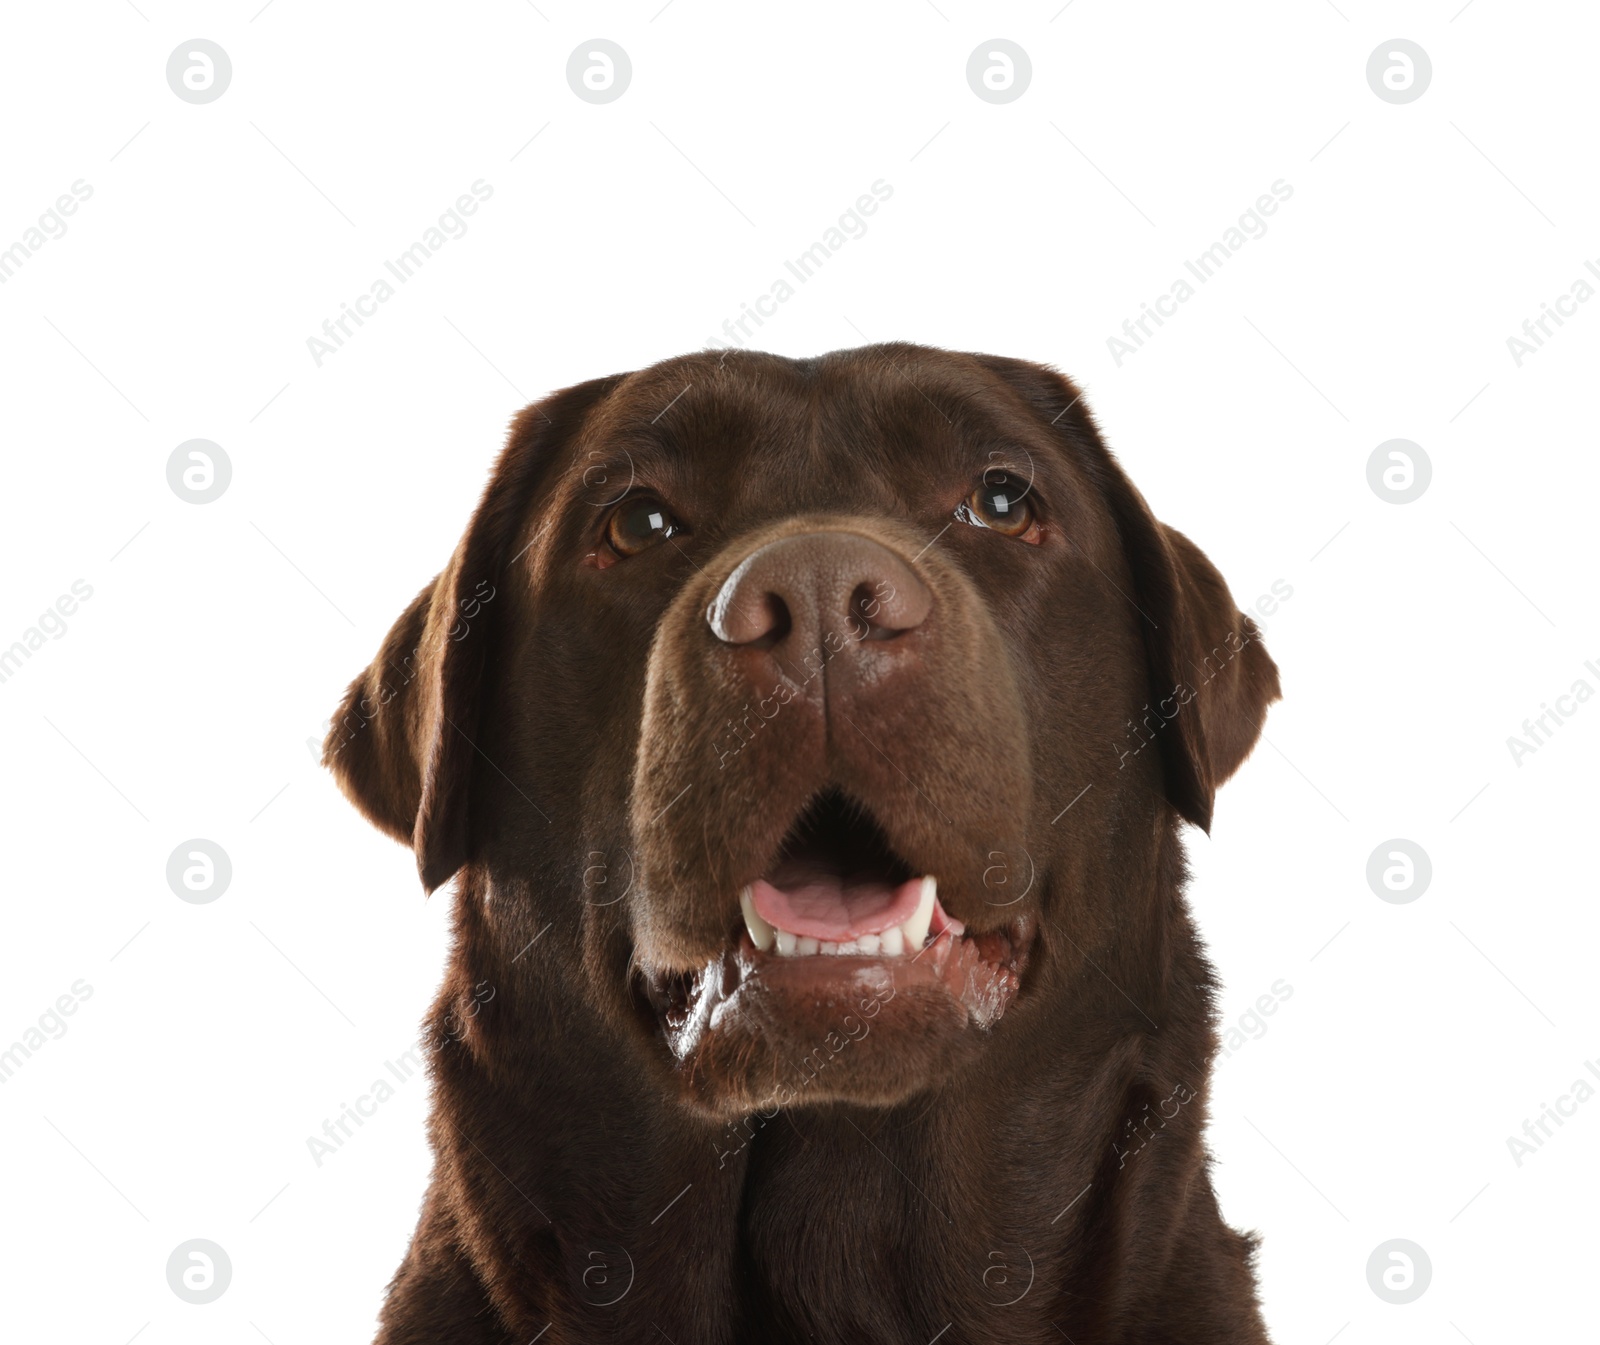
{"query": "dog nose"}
pixel 807 587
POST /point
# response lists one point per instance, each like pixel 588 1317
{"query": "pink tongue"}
pixel 824 906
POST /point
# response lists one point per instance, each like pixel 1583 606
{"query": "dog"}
pixel 810 741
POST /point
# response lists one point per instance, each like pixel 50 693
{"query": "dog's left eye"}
pixel 639 523
pixel 1001 504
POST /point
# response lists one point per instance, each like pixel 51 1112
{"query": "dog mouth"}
pixel 840 920
pixel 839 890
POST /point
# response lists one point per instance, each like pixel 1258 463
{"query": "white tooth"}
pixel 828 949
pixel 846 949
pixel 892 941
pixel 805 946
pixel 786 942
pixel 760 930
pixel 868 944
pixel 916 928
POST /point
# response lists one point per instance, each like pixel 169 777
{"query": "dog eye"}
pixel 1001 504
pixel 638 524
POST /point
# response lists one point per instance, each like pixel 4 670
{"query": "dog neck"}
pixel 613 1209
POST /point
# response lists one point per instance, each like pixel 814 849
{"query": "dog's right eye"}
pixel 639 523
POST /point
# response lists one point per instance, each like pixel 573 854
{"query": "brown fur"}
pixel 557 736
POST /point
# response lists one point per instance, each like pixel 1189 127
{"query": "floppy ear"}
pixel 1204 655
pixel 402 746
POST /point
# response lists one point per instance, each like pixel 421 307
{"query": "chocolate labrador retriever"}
pixel 810 741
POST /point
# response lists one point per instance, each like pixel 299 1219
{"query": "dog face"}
pixel 822 712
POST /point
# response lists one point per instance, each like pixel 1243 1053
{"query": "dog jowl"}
pixel 773 718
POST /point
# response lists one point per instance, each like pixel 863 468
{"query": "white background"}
pixel 181 698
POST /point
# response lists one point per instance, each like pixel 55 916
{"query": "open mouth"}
pixel 839 918
pixel 838 890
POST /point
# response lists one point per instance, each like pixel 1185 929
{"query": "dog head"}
pixel 825 713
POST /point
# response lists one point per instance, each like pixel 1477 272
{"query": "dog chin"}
pixel 755 1030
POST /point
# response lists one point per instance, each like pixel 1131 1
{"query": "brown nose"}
pixel 818 588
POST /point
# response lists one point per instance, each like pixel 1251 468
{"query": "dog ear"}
pixel 402 745
pixel 1211 678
